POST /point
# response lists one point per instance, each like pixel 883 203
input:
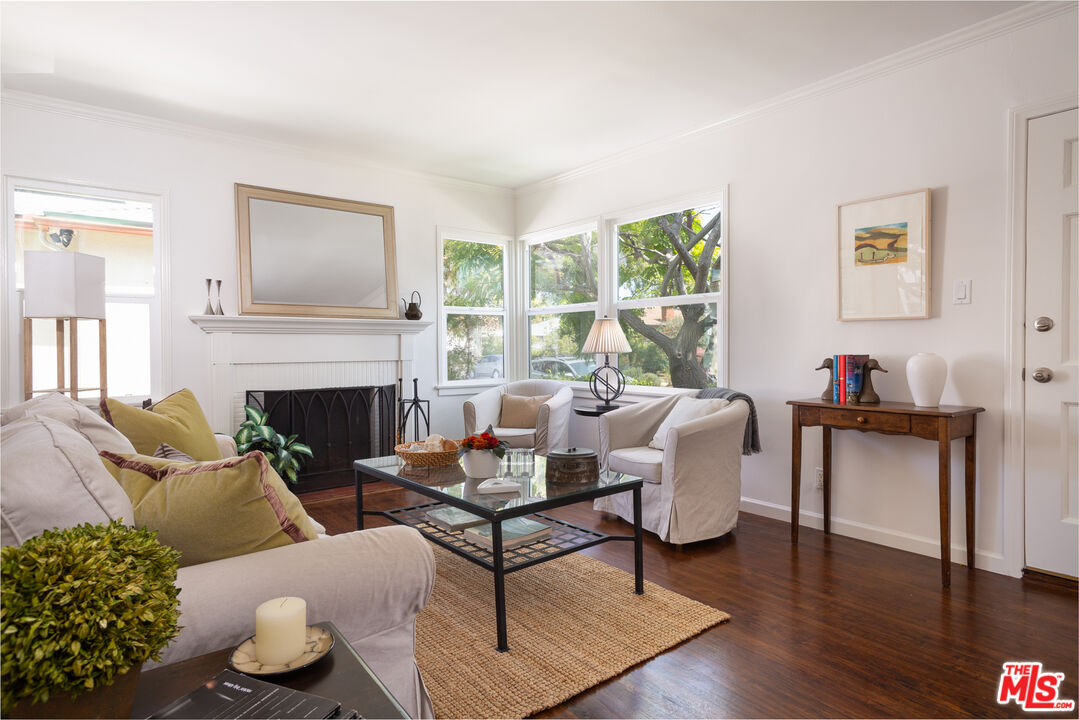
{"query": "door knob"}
pixel 1043 324
pixel 1042 374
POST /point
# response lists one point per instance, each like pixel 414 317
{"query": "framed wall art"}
pixel 308 255
pixel 884 268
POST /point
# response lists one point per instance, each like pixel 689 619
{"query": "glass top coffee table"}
pixel 448 485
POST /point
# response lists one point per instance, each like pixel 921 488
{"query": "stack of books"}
pixel 515 532
pixel 847 377
pixel 453 519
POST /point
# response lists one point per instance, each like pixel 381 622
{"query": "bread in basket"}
pixel 425 458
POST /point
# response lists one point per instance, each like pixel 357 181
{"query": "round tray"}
pixel 319 644
pixel 422 458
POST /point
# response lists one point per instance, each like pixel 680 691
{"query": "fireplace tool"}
pixel 415 408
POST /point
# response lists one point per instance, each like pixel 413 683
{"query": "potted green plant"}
pixel 80 610
pixel 286 455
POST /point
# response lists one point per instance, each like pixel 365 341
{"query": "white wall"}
pixel 940 122
pixel 61 142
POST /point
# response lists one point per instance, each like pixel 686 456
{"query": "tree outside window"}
pixel 473 306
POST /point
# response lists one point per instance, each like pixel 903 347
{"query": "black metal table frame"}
pixel 496 518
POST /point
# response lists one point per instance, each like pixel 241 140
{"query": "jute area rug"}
pixel 573 623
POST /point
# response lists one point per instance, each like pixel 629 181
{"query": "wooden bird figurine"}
pixel 868 395
pixel 826 363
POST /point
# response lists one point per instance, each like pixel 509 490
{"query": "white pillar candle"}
pixel 280 630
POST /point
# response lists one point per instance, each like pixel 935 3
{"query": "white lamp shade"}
pixel 63 284
pixel 606 337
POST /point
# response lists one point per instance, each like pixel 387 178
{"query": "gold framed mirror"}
pixel 309 255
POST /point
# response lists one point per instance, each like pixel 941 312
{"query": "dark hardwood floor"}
pixel 835 627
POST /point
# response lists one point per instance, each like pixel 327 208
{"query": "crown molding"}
pixel 955 41
pixel 121 118
pixel 268 324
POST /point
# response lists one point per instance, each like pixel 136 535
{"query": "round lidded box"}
pixel 572 466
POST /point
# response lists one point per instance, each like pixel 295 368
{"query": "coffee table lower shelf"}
pixel 565 538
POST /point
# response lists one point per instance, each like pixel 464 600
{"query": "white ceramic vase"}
pixel 480 463
pixel 926 373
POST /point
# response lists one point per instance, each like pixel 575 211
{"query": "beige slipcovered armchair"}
pixel 552 422
pixel 693 482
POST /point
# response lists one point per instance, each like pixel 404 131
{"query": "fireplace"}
pixel 339 424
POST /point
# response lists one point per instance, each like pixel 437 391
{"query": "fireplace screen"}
pixel 339 424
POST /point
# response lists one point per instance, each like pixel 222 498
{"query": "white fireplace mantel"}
pixel 262 352
pixel 302 325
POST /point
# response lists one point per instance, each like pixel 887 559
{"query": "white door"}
pixel 1052 353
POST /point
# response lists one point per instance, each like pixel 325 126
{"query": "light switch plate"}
pixel 961 292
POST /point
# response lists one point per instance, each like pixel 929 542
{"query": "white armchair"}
pixel 552 423
pixel 693 485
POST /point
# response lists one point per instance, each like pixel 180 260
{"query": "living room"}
pixel 795 144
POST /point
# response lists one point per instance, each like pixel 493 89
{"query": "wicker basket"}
pixel 423 458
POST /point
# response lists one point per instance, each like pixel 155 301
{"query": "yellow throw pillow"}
pixel 177 420
pixel 212 510
pixel 520 411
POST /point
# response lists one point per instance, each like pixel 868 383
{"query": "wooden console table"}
pixel 942 424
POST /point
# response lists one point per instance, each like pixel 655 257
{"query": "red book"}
pixel 842 379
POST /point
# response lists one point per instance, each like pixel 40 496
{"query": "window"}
pixel 473 306
pixel 119 228
pixel 668 297
pixel 563 283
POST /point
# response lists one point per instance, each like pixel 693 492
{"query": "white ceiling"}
pixel 504 93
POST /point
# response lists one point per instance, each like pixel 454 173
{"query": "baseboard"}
pixel 930 547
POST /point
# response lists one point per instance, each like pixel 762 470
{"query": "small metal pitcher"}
pixel 412 312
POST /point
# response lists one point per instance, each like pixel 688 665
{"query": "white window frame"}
pixel 538 238
pixel 608 304
pixel 160 326
pixel 508 311
pixel 612 304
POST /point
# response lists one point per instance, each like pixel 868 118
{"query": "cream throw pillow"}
pixel 521 411
pixel 211 510
pixel 76 416
pixel 52 478
pixel 686 409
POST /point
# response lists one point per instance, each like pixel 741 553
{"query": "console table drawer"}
pixel 881 422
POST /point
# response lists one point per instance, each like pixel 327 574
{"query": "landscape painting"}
pixel 880 245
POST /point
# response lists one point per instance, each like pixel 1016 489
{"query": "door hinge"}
pixel 1023 375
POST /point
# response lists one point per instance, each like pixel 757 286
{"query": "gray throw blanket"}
pixel 751 443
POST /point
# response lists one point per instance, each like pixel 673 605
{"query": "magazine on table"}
pixel 233 695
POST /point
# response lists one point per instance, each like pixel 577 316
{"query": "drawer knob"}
pixel 861 419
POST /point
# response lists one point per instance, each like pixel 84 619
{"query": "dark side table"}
pixel 940 424
pixel 342 676
pixel 593 411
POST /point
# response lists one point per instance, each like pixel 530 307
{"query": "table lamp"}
pixel 66 286
pixel 607 382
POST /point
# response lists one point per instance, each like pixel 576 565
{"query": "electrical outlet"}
pixel 819 483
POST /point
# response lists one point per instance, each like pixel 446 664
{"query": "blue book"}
pixel 835 379
pixel 855 376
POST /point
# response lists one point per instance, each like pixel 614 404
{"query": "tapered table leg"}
pixel 638 549
pixel 796 472
pixel 971 454
pixel 944 456
pixel 500 585
pixel 827 435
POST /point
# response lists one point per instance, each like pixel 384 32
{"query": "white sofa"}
pixel 371 584
pixel 693 485
pixel 552 423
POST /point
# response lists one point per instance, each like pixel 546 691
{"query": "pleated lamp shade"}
pixel 606 337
